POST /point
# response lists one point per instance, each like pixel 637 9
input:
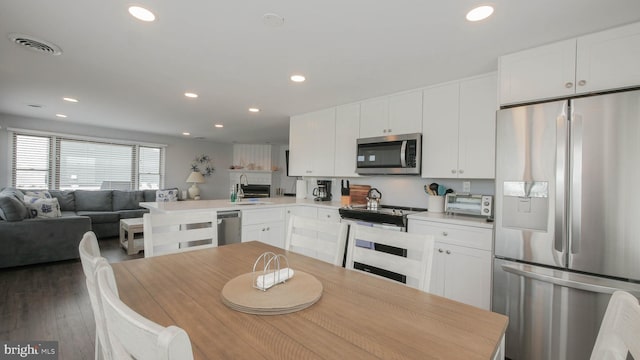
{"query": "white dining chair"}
pixel 131 335
pixel 319 239
pixel 90 258
pixel 416 266
pixel 177 232
pixel 620 329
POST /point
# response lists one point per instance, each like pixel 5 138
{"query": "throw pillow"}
pixel 12 209
pixel 167 195
pixel 43 194
pixel 42 207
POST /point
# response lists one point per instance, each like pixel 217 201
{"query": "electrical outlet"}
pixel 466 186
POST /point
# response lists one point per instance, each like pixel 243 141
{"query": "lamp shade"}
pixel 195 177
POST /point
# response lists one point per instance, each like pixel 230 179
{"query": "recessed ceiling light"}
pixel 254 110
pixel 297 78
pixel 61 115
pixel 480 13
pixel 70 99
pixel 273 20
pixel 191 95
pixel 186 133
pixel 218 125
pixel 141 13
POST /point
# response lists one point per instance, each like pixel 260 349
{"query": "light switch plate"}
pixel 466 186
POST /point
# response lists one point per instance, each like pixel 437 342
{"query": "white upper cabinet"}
pixel 374 117
pixel 458 137
pixel 477 127
pixel 347 132
pixel 540 73
pixel 391 115
pixel 609 59
pixel 602 61
pixel 312 143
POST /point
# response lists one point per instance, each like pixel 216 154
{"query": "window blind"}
pixel 31 162
pixel 59 162
pixel 91 165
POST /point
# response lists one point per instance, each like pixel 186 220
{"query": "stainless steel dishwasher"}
pixel 229 227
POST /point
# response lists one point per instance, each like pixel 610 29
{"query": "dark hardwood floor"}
pixel 49 302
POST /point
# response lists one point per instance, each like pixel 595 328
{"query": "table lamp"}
pixel 196 178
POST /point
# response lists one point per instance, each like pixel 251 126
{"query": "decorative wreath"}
pixel 202 164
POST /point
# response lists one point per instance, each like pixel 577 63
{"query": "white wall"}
pixel 179 152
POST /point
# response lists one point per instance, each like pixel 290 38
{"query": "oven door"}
pixel 378 247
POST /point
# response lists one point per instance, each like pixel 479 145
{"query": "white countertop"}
pixel 452 219
pixel 226 205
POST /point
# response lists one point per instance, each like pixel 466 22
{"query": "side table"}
pixel 128 230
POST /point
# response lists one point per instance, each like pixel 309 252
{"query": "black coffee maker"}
pixel 323 191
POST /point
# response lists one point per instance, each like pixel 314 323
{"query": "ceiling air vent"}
pixel 35 44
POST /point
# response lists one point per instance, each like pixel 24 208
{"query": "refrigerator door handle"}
pixel 570 281
pixel 576 182
pixel 562 133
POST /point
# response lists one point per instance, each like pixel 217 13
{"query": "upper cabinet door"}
pixel 440 131
pixel 391 115
pixel 609 59
pixel 405 113
pixel 477 128
pixel 540 73
pixel 347 132
pixel 374 117
pixel 300 130
pixel 312 143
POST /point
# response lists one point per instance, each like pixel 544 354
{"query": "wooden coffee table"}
pixel 128 230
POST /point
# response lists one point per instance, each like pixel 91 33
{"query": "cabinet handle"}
pixel 440 250
pixel 461 171
pixel 328 216
pixel 448 252
pixel 582 82
pixel 308 171
pixel 444 233
pixel 453 171
pixel 388 130
pixel 267 228
pixel 568 85
pixel 262 229
pixel 384 131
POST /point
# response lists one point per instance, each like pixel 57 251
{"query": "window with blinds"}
pixel 31 162
pixel 66 163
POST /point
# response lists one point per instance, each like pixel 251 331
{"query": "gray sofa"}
pixel 37 240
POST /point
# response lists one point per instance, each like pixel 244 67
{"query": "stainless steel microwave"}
pixel 392 154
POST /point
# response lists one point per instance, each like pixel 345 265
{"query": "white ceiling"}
pixel 132 75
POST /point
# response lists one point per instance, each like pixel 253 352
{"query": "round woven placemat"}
pixel 297 293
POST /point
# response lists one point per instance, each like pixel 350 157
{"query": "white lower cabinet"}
pixel 461 262
pixel 264 225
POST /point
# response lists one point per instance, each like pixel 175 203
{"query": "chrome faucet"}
pixel 240 194
pixel 246 181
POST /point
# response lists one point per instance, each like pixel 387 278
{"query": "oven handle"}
pixel 403 154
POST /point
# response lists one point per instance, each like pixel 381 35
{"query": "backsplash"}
pixel 404 190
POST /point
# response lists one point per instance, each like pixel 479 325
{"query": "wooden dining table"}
pixel 358 316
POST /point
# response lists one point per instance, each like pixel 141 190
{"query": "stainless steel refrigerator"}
pixel 567 220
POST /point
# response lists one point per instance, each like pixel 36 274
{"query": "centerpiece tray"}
pixel 297 293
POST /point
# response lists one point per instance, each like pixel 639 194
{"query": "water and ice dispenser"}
pixel 525 205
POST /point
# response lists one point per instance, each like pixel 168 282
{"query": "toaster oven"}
pixel 469 204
